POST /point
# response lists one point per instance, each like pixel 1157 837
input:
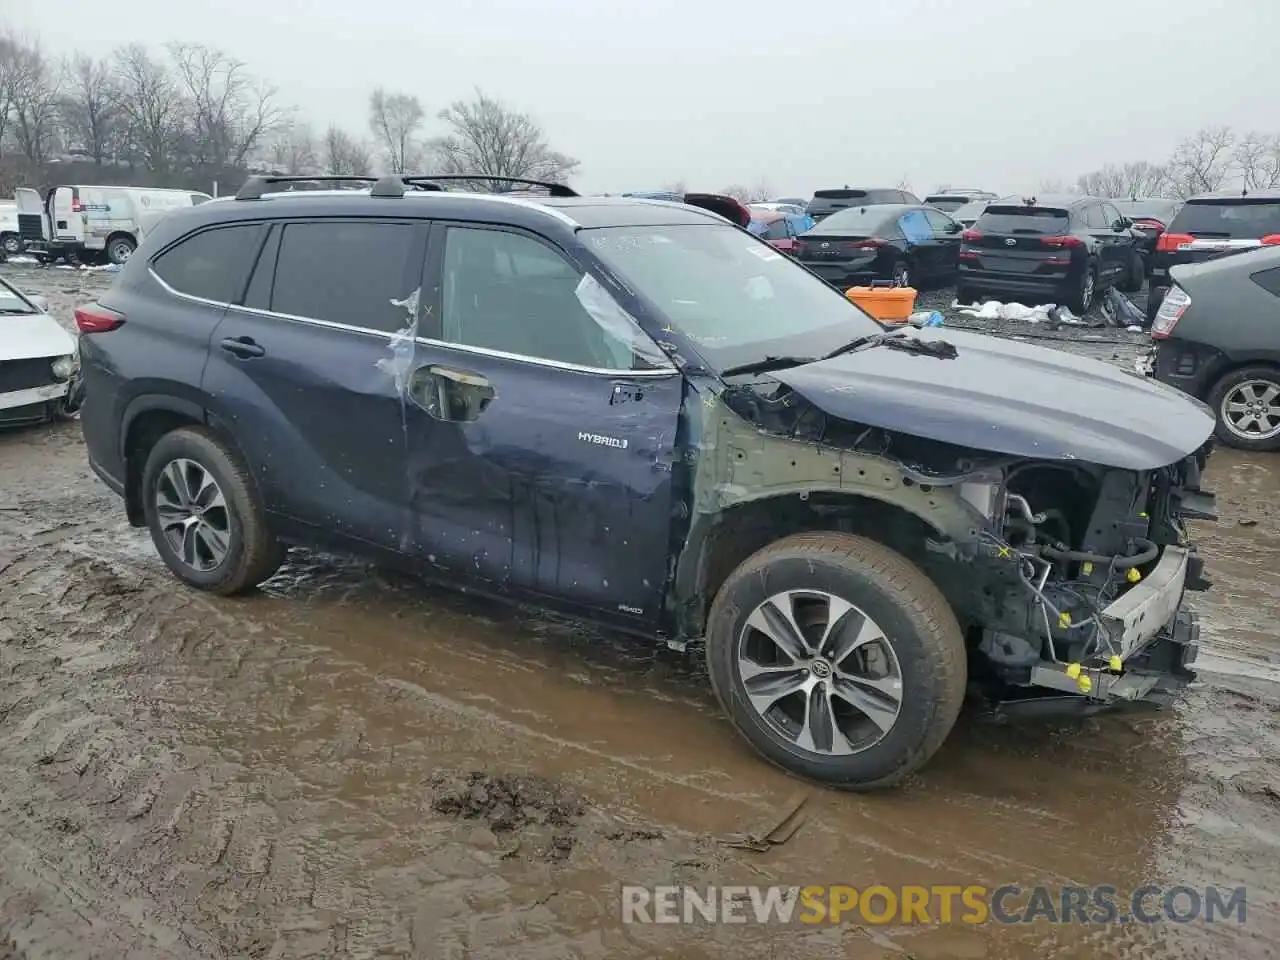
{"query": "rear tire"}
pixel 898 635
pixel 120 249
pixel 901 273
pixel 1082 297
pixel 11 244
pixel 966 295
pixel 1231 399
pixel 222 542
pixel 1133 280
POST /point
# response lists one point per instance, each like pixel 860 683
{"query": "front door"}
pixel 305 364
pixel 541 429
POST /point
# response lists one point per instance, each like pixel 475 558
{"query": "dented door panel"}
pixel 560 486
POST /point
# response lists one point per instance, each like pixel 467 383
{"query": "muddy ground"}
pixel 352 765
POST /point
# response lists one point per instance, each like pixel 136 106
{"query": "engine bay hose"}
pixel 1149 552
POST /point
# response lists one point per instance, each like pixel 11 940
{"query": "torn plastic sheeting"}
pixel 617 323
pixel 402 343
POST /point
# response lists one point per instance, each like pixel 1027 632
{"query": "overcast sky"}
pixel 1000 94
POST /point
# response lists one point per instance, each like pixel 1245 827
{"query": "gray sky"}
pixel 1001 94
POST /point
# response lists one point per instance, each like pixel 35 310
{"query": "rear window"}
pixel 1235 219
pixel 946 203
pixel 1268 280
pixel 213 264
pixel 1162 210
pixel 1023 220
pixel 863 221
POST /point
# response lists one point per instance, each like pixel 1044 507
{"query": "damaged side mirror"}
pixel 449 394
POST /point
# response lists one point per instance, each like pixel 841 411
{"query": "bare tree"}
pixel 1056 185
pixel 1257 158
pixel 152 106
pixel 485 136
pixel 293 149
pixel 1139 179
pixel 904 184
pixel 675 186
pixel 231 111
pixel 1201 162
pixel 344 156
pixel 89 106
pixel 10 65
pixel 34 103
pixel 395 119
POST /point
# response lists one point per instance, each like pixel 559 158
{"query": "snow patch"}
pixel 995 310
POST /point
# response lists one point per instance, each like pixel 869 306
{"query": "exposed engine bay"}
pixel 1067 576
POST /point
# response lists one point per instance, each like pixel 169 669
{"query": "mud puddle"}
pixel 350 764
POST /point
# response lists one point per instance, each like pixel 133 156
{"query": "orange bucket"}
pixel 886 304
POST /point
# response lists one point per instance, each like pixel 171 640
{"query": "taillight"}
pixel 1147 223
pixel 95 318
pixel 1271 240
pixel 1169 242
pixel 1060 242
pixel 1172 307
pixel 77 206
pixel 798 248
pixel 870 243
pixel 971 235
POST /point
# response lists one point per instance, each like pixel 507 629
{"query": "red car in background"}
pixel 779 229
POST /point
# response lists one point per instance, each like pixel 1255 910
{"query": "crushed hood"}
pixel 1007 397
pixel 23 336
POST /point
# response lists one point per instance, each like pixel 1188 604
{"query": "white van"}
pixel 70 221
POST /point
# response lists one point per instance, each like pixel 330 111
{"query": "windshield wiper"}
pixel 898 340
pixel 765 365
pixel 11 310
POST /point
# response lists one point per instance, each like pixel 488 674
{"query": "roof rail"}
pixel 554 189
pixel 255 187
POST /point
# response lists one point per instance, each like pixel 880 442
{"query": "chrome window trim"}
pixel 665 371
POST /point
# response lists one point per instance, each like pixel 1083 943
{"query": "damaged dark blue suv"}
pixel 635 412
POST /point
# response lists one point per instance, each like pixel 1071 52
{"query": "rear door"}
pixel 921 245
pixel 541 429
pixel 1102 228
pixel 946 238
pixel 306 368
pixel 68 221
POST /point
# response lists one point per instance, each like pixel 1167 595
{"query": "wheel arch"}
pixel 718 542
pixel 148 417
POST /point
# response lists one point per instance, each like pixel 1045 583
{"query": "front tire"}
pixel 205 518
pixel 837 659
pixel 1246 403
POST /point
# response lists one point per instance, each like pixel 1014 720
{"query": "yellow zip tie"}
pixel 1073 670
pixel 1064 619
pixel 1134 575
pixel 1116 664
pixel 1085 684
pixel 1086 568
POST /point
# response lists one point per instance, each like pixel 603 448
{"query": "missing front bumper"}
pixel 1157 641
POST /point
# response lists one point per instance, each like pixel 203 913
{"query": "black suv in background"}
pixel 827 202
pixel 1213 225
pixel 1064 248
pixel 953 200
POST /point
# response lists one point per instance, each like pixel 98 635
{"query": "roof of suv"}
pixel 1064 201
pixel 1259 196
pixel 522 210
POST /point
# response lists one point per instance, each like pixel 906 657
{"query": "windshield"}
pixel 1236 219
pixel 736 298
pixel 11 302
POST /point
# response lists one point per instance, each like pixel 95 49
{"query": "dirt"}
pixel 350 764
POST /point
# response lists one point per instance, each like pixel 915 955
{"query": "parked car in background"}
pixel 1064 248
pixel 74 222
pixel 1216 336
pixel 780 230
pixel 827 202
pixel 778 207
pixel 1151 216
pixel 968 214
pixel 1213 225
pixel 793 201
pixel 907 244
pixel 728 207
pixel 484 388
pixel 39 367
pixel 952 200
pixel 10 232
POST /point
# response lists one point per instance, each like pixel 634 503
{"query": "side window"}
pixel 776 230
pixel 941 223
pixel 346 272
pixel 915 226
pixel 1110 214
pixel 1094 218
pixel 212 264
pixel 509 292
pixel 1268 280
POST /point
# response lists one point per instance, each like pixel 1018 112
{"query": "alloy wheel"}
pixel 12 245
pixel 1086 291
pixel 193 514
pixel 1251 410
pixel 820 673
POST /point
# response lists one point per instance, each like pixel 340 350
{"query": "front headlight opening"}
pixel 63 367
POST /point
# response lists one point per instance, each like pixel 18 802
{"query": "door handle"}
pixel 243 347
